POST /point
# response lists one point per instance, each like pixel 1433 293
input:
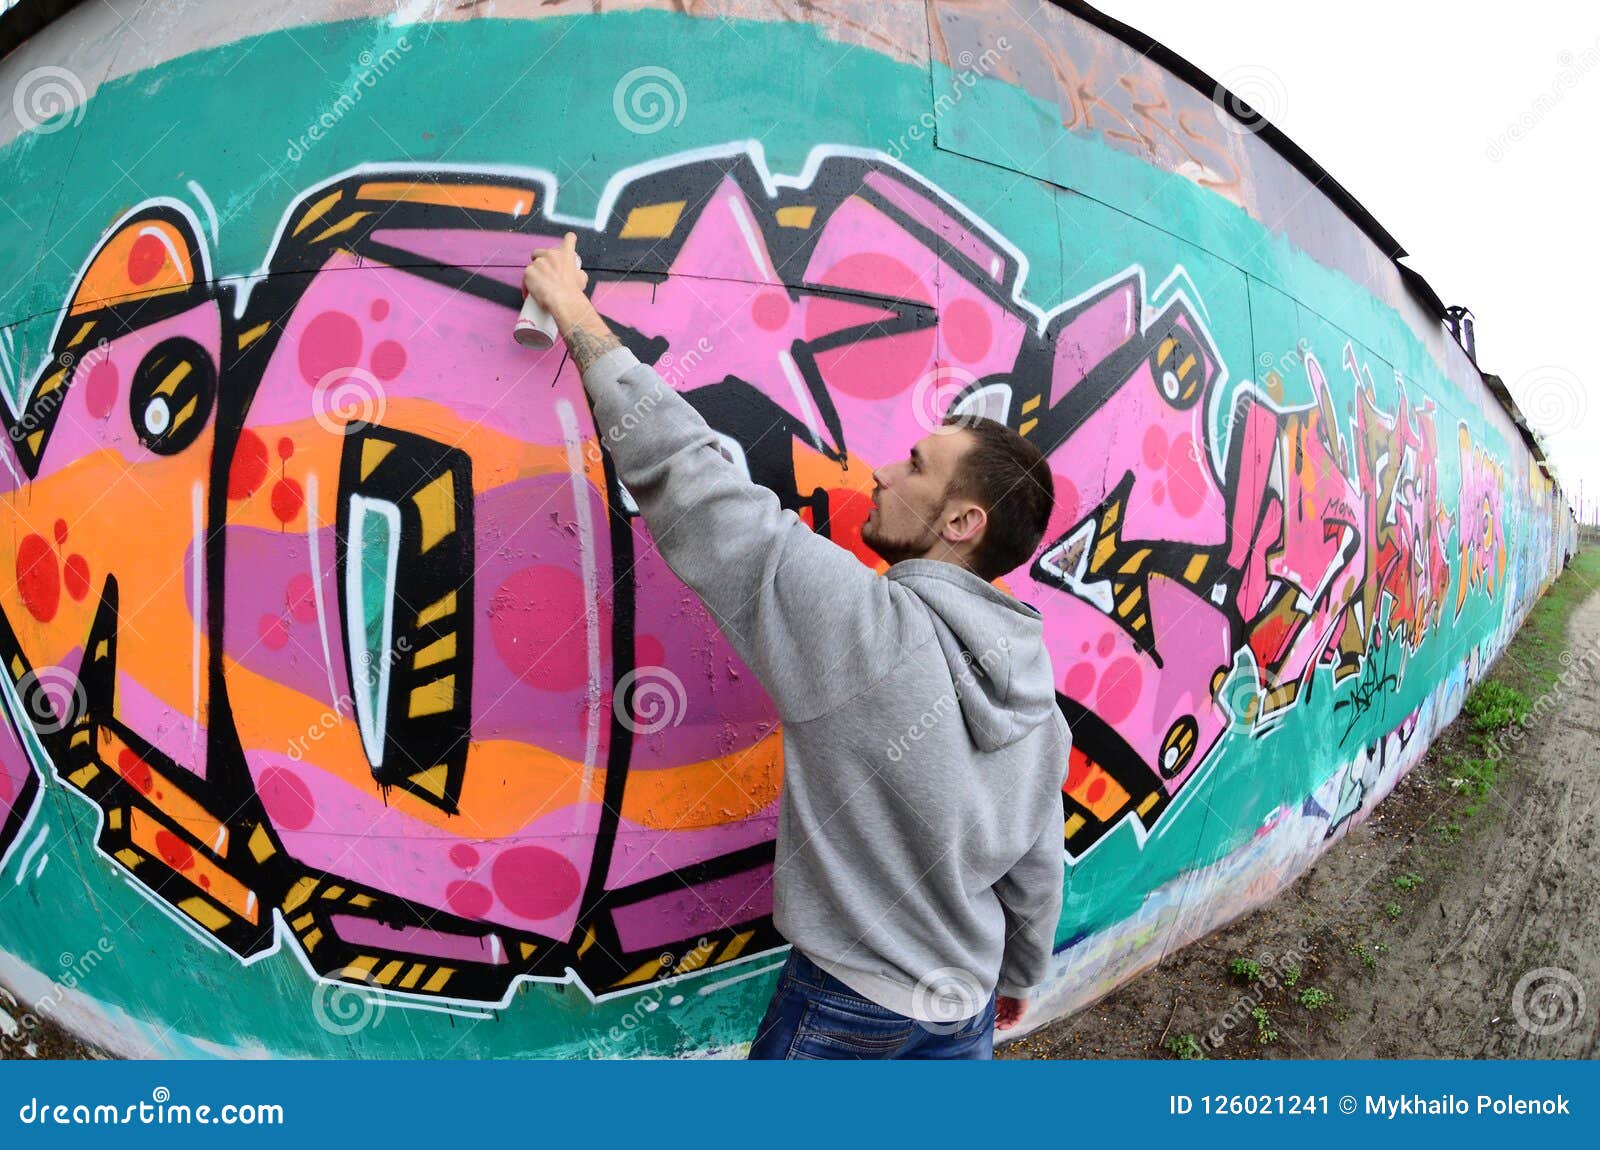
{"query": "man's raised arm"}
pixel 812 621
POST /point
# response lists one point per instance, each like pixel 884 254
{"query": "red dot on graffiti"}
pixel 287 499
pixel 61 531
pixel 1188 481
pixel 468 899
pixel 966 330
pixel 531 620
pixel 1079 683
pixel 1084 647
pixel 174 851
pixel 331 342
pixel 770 310
pixel 249 467
pixel 535 882
pixel 1104 644
pixel 464 856
pixel 285 447
pixel 100 389
pixel 1119 690
pixel 135 770
pixel 648 651
pixel 301 598
pixel 205 881
pixel 1155 446
pixel 1093 793
pixel 388 359
pixel 380 309
pixel 75 574
pixel 286 798
pixel 274 632
pixel 38 578
pixel 146 258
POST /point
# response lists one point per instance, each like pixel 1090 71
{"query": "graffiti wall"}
pixel 350 708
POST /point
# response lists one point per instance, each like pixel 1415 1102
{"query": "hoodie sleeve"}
pixel 807 616
pixel 1031 893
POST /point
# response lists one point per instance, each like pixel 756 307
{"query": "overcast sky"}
pixel 1470 131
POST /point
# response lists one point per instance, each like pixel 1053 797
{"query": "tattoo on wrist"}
pixel 589 339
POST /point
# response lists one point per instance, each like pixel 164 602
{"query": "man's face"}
pixel 909 515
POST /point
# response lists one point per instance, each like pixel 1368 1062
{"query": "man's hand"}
pixel 1008 1011
pixel 556 283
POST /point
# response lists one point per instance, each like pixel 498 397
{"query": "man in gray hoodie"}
pixel 920 854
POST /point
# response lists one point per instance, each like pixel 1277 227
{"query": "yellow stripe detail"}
pixel 799 216
pixel 255 333
pixel 652 221
pixel 437 503
pixel 203 913
pixel 436 652
pixel 446 605
pixel 433 698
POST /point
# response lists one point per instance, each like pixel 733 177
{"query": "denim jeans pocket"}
pixel 835 1027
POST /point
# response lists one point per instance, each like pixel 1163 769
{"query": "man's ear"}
pixel 966 525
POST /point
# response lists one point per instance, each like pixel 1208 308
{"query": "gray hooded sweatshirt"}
pixel 920 853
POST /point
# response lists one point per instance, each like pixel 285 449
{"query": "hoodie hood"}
pixel 994 646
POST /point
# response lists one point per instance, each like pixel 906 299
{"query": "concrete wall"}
pixel 351 711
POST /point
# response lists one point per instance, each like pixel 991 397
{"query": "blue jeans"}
pixel 814 1015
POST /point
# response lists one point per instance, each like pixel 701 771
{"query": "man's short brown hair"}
pixel 1010 479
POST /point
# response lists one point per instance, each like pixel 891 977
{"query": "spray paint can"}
pixel 535 328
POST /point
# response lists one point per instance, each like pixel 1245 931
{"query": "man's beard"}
pixel 893 550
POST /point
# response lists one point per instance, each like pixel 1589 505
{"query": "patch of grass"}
pixel 1407 882
pixel 1313 999
pixel 1495 705
pixel 1291 975
pixel 1393 910
pixel 1448 832
pixel 1264 1029
pixel 1185 1046
pixel 1248 968
pixel 1543 637
pixel 1368 958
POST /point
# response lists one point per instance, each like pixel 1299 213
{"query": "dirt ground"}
pixel 1447 925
